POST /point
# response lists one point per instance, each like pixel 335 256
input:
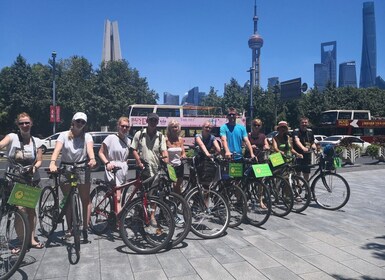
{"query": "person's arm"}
pixel 103 152
pixel 275 146
pixel 55 155
pixel 248 145
pixel 39 160
pixel 299 144
pixel 5 142
pixel 266 145
pixel 217 147
pixel 91 154
pixel 202 146
pixel 183 153
pixel 224 141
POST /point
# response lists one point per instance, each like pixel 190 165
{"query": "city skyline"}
pixel 177 46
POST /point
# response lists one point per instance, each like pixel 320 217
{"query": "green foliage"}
pixel 373 150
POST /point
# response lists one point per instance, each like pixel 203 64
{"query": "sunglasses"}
pixel 83 122
pixel 175 126
pixel 208 127
pixel 231 115
pixel 125 126
pixel 24 123
pixel 256 125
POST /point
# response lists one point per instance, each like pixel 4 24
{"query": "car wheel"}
pixel 43 149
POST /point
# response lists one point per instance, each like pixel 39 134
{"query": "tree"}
pixel 212 99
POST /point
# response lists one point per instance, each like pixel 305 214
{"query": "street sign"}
pixel 52 112
pixel 361 123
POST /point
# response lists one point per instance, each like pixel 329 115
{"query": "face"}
pixel 232 116
pixel 304 123
pixel 256 126
pixel 79 123
pixel 152 122
pixel 207 128
pixel 124 127
pixel 175 128
pixel 24 124
pixel 282 129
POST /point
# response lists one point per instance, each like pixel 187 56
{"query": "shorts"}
pixel 179 171
pixel 304 163
pixel 83 173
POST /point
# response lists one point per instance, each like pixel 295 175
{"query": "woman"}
pixel 207 144
pixel 257 140
pixel 26 150
pixel 176 151
pixel 114 152
pixel 75 145
pixel 282 143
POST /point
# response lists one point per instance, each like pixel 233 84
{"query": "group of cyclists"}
pixel 148 146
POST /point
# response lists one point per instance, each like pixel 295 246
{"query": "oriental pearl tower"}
pixel 255 44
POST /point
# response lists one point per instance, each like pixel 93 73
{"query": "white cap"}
pixel 80 116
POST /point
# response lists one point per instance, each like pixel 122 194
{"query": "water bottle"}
pixel 63 201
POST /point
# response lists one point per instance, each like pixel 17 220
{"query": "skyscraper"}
pixel 329 58
pixel 255 44
pixel 194 96
pixel 369 51
pixel 170 99
pixel 111 42
pixel 347 74
pixel 320 76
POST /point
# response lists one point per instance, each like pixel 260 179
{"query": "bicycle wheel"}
pixel 236 199
pixel 13 243
pixel 301 192
pixel 281 195
pixel 101 210
pixel 186 185
pixel 210 213
pixel 331 191
pixel 258 203
pixel 76 223
pixel 48 211
pixel 126 193
pixel 139 232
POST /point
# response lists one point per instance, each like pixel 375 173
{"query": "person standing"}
pixel 114 152
pixel 233 135
pixel 25 150
pixel 77 148
pixel 257 140
pixel 282 143
pixel 303 143
pixel 176 152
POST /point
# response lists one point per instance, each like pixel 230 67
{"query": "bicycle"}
pixel 329 190
pixel 145 223
pixel 13 243
pixel 52 211
pixel 209 209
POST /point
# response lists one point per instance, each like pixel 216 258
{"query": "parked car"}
pixel 49 143
pixel 336 139
pixel 318 138
pixel 98 137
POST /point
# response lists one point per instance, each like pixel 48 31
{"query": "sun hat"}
pixel 283 124
pixel 80 116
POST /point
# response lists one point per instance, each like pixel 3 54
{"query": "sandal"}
pixel 68 233
pixel 153 222
pixel 15 250
pixel 37 245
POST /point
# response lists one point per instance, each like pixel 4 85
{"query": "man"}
pixel 303 142
pixel 233 135
pixel 149 144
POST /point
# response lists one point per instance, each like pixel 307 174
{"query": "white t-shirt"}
pixel 75 149
pixel 117 154
pixel 25 156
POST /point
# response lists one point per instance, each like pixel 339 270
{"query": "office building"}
pixel 170 99
pixel 194 96
pixel 271 82
pixel 347 74
pixel 369 52
pixel 320 76
pixel 111 42
pixel 329 59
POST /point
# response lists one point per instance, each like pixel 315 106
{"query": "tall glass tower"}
pixel 329 59
pixel 369 51
pixel 347 74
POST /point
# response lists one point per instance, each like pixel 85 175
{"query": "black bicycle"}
pixel 14 226
pixel 52 211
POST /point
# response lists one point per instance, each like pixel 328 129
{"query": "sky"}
pixel 180 44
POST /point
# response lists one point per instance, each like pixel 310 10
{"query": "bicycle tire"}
pixel 208 221
pixel 9 240
pixel 331 191
pixel 236 199
pixel 126 193
pixel 281 195
pixel 101 210
pixel 48 211
pixel 257 192
pixel 76 222
pixel 136 231
pixel 301 192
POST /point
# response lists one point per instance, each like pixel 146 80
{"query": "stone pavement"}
pixel 318 244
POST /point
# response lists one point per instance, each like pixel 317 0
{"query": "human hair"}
pixel 232 110
pixel 122 119
pixel 207 122
pixel 23 115
pixel 169 128
pixel 71 134
pixel 257 121
pixel 303 119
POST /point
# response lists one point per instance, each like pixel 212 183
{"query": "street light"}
pixel 53 91
pixel 252 84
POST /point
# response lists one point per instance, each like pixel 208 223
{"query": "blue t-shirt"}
pixel 234 135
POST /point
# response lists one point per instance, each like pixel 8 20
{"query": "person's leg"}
pixel 84 193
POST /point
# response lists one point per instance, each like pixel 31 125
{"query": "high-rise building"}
pixel 194 97
pixel 111 42
pixel 369 51
pixel 255 44
pixel 329 58
pixel 170 99
pixel 347 74
pixel 271 82
pixel 320 76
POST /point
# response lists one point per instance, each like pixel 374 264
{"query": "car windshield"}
pixel 333 138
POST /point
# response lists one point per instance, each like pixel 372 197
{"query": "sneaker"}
pixel 298 199
pixel 85 236
pixel 178 220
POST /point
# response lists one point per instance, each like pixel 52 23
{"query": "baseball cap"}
pixel 80 116
pixel 282 124
pixel 152 116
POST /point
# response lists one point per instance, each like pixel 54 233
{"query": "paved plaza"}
pixel 318 244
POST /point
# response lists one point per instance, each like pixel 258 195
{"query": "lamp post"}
pixel 252 84
pixel 53 91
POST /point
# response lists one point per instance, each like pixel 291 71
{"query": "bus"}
pixel 351 122
pixel 190 117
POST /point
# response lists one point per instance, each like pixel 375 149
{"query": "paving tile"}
pixel 369 270
pixel 294 263
pixel 257 258
pixel 150 275
pixel 296 247
pixel 210 269
pixel 244 270
pixel 278 273
pixel 221 252
pixel 194 249
pixel 330 251
pixel 175 264
pixel 329 239
pixel 141 263
pixel 320 275
pixel 264 243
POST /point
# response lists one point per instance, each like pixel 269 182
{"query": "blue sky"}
pixel 179 44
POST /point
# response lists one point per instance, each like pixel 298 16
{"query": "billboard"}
pixel 291 89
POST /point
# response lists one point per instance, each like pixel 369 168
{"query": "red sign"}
pixel 52 112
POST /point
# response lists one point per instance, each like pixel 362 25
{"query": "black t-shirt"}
pixel 305 137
